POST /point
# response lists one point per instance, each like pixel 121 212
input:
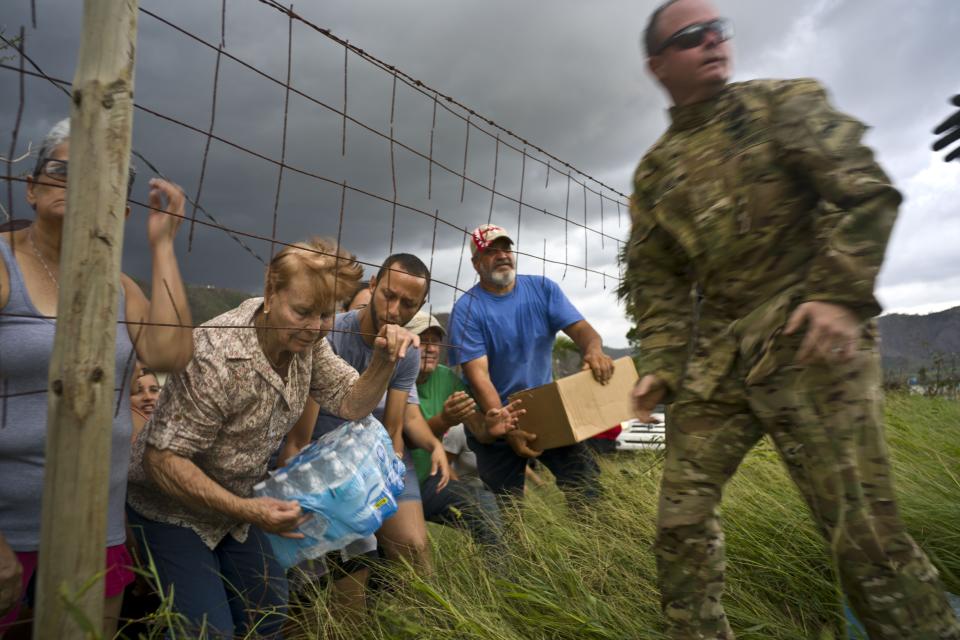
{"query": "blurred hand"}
pixel 393 341
pixel 949 130
pixel 833 332
pixel 457 408
pixel 439 463
pixel 533 477
pixel 499 421
pixel 281 517
pixel 520 442
pixel 600 363
pixel 647 394
pixel 166 211
pixel 10 578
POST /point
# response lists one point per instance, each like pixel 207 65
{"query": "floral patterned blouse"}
pixel 228 412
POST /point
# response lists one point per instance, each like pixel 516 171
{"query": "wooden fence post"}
pixel 81 380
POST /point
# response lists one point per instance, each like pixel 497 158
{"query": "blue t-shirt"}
pixel 358 354
pixel 515 331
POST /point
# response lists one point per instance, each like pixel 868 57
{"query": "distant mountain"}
pixel 909 342
pixel 618 353
pixel 206 301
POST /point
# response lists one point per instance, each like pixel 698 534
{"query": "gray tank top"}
pixel 26 345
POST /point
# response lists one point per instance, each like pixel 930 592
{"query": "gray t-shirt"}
pixel 26 346
pixel 455 443
pixel 349 345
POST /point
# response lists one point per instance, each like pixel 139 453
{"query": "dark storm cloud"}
pixel 566 75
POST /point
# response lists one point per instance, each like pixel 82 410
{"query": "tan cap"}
pixel 484 235
pixel 423 321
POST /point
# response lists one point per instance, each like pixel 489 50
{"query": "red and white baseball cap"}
pixel 484 235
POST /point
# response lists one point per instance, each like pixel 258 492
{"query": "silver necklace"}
pixel 43 262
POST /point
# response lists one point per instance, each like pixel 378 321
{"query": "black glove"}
pixel 949 129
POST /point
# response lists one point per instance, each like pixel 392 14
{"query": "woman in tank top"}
pixel 29 288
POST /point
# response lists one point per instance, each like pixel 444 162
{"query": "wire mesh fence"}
pixel 291 131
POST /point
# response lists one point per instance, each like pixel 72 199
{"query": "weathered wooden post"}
pixel 81 382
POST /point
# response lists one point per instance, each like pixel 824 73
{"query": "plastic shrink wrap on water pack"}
pixel 347 481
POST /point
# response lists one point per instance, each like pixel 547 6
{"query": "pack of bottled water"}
pixel 348 481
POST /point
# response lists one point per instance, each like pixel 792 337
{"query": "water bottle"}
pixel 303 478
pixel 283 489
pixel 352 452
pixel 372 464
pixel 365 432
pixel 287 551
pixel 330 469
pixel 310 453
pixel 296 485
pixel 336 498
pixel 305 482
pixel 347 480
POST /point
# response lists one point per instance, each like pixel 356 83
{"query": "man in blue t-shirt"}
pixel 504 329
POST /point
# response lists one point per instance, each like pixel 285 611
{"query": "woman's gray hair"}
pixel 58 134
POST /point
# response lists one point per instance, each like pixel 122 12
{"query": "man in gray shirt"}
pixel 397 293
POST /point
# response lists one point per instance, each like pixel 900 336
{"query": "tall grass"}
pixel 592 577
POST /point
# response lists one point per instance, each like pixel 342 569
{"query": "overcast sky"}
pixel 566 75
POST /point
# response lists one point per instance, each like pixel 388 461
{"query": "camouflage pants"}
pixel 826 425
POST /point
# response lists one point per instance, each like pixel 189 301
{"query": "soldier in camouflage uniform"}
pixel 761 209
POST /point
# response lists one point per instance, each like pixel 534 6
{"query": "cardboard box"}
pixel 577 407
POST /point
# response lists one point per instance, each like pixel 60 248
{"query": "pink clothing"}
pixel 118 575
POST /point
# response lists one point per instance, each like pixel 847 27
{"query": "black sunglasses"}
pixel 695 34
pixel 57 170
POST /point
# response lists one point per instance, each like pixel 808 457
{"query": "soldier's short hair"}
pixel 650 40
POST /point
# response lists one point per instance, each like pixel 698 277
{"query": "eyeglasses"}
pixel 694 35
pixel 57 170
pixel 54 169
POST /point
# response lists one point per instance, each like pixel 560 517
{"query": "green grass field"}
pixel 567 578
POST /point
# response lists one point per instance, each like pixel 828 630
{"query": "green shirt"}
pixel 441 384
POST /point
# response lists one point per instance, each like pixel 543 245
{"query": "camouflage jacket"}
pixel 751 203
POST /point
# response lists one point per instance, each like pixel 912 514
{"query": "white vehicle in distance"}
pixel 641 436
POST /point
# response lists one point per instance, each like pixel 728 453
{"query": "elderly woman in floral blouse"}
pixel 217 424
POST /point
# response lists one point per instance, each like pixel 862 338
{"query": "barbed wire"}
pixel 502 137
pixel 61 85
pixel 565 263
pixel 389 136
pixel 427 90
pixel 281 164
pixel 211 325
pixel 142 324
pixel 16 127
pixel 373 265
